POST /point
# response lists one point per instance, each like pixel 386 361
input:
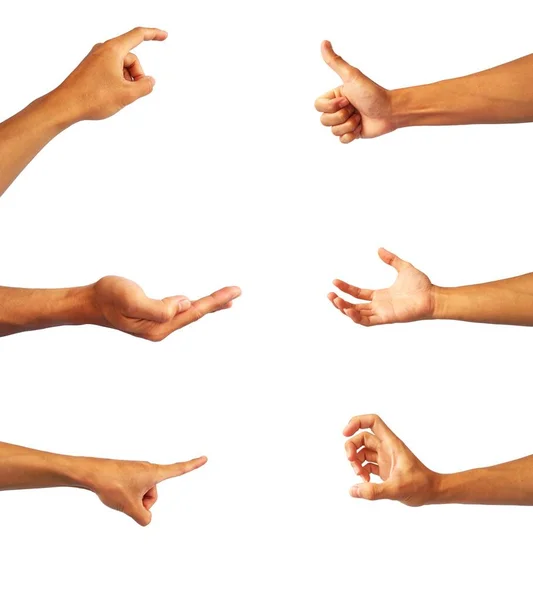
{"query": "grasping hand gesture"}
pixel 410 297
pixel 360 108
pixel 380 452
pixel 109 78
pixel 122 304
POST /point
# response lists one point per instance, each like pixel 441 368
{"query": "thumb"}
pixel 143 86
pixel 141 515
pixel 159 311
pixel 369 491
pixel 336 62
pixel 391 259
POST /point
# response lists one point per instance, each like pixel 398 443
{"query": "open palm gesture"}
pixel 410 297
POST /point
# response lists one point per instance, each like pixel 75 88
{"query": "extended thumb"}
pixel 336 62
pixel 368 491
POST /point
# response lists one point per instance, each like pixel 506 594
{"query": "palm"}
pixel 122 304
pixel 125 306
pixel 372 102
pixel 410 298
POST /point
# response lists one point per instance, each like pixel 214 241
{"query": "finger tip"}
pixel 184 304
pixel 354 491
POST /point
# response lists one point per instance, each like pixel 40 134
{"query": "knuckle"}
pixel 354 73
pixel 370 493
pixel 155 337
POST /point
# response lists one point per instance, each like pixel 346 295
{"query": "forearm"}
pixel 30 309
pixel 508 483
pixel 24 468
pixel 507 302
pixel 25 134
pixel 503 94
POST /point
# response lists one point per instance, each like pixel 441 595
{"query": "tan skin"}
pixel 360 108
pixel 374 450
pixel 413 297
pixel 126 486
pixel 109 78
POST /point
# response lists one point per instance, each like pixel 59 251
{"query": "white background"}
pixel 224 176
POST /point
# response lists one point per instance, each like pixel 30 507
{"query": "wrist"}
pixel 422 105
pixel 403 107
pixel 78 307
pixel 63 110
pixel 441 302
pixel 82 472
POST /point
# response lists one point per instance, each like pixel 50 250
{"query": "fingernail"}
pixel 184 305
pixel 354 491
pixel 343 102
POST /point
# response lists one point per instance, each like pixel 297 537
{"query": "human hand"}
pixel 360 108
pixel 131 486
pixel 109 78
pixel 121 304
pixel 410 298
pixel 380 452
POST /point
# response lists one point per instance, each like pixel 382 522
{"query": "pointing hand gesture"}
pixel 131 486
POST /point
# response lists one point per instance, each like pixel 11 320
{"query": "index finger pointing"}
pixel 133 38
pixel 180 468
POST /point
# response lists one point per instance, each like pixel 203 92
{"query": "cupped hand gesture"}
pixel 380 452
pixel 122 304
pixel 359 108
pixel 410 297
pixel 131 486
pixel 109 78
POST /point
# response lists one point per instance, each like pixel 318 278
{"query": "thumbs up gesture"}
pixel 359 108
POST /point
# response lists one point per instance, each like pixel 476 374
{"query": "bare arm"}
pixel 503 94
pixel 373 449
pixel 413 297
pixel 360 108
pixel 126 486
pixel 112 302
pixel 109 78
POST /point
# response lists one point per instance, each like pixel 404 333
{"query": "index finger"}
pixel 372 422
pixel 133 38
pixel 330 102
pixel 180 468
